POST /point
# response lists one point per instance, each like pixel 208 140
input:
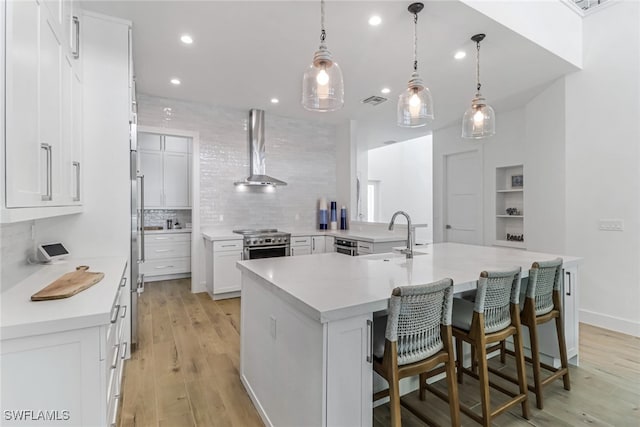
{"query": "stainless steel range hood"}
pixel 257 165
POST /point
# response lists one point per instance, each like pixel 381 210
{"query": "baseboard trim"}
pixel 613 323
pixel 256 401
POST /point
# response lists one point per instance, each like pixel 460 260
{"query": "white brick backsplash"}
pixel 159 217
pixel 300 152
pixel 16 246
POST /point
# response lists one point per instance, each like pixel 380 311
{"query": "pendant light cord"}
pixel 323 34
pixel 415 42
pixel 478 65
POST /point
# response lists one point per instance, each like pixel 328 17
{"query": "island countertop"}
pixel 334 286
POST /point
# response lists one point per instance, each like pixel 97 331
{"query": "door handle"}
pixel 568 293
pixel 76 50
pixel 369 341
pixel 49 194
pixel 76 166
pixel 142 254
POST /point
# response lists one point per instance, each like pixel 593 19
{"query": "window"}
pixel 373 204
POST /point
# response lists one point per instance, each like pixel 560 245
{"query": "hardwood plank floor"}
pixel 185 372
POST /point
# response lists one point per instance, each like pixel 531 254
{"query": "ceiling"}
pixel 245 53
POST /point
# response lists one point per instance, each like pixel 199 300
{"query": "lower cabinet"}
pixel 300 245
pixel 73 377
pixel 167 255
pixel 318 244
pixel 223 278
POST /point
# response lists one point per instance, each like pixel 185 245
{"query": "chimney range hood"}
pixel 257 167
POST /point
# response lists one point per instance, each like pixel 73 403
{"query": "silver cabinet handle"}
pixel 229 246
pixel 114 362
pixel 76 47
pixel 140 284
pixel 163 250
pixel 568 293
pixel 76 166
pixel 47 148
pixel 115 311
pixel 114 420
pixel 124 350
pixel 293 252
pixel 370 341
pixel 124 312
pixel 143 257
pixel 161 238
pixel 160 267
pixel 123 282
pixel 313 244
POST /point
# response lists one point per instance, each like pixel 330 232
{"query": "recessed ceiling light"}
pixel 385 90
pixel 186 39
pixel 460 54
pixel 375 20
pixel 175 81
pixel 274 100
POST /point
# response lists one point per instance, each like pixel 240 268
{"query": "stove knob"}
pixel 254 242
pixel 248 241
pixel 261 240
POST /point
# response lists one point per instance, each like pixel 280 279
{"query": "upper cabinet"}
pixel 165 162
pixel 43 83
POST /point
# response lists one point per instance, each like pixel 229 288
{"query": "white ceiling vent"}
pixel 374 100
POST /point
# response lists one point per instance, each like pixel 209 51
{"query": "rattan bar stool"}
pixel 413 339
pixel 542 303
pixel 493 317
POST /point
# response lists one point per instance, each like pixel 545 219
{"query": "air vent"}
pixel 374 100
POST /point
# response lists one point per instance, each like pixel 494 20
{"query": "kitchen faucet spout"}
pixel 409 251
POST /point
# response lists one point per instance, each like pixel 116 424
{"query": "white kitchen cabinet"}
pixel 39 105
pixel 329 244
pixel 223 278
pixel 318 244
pixel 75 371
pixel 167 255
pixel 300 245
pixel 165 164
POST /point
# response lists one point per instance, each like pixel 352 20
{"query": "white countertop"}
pixel 22 317
pixel 373 236
pixel 333 286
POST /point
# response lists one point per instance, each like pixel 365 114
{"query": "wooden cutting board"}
pixel 68 284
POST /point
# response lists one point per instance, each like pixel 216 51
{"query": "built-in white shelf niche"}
pixel 510 206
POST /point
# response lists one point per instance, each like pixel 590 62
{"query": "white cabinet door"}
pixel 318 245
pixel 22 146
pixel 76 139
pixel 226 277
pixel 329 244
pixel 350 380
pixel 67 169
pixel 151 168
pixel 149 142
pixel 176 179
pixel 300 250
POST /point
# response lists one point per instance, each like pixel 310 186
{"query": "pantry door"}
pixel 463 198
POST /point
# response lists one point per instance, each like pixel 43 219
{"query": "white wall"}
pixel 603 173
pixel 506 148
pixel 551 24
pixel 301 153
pixel 404 173
pixel 544 170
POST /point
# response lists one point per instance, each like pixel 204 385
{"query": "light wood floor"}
pixel 186 373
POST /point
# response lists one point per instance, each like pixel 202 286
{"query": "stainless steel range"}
pixel 266 243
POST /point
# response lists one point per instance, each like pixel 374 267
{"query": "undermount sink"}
pixel 388 256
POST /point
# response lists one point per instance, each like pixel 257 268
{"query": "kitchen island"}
pixel 306 322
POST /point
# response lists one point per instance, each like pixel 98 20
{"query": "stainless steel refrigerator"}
pixel 137 231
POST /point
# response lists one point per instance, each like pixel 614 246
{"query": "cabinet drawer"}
pixel 227 245
pixel 162 250
pixel 168 237
pixel 166 266
pixel 300 241
pixel 365 248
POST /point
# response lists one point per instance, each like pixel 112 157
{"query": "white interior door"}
pixel 463 201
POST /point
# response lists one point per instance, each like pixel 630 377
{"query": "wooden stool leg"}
pixel 459 359
pixel 394 398
pixel 503 352
pixel 454 400
pixel 522 376
pixel 423 386
pixel 474 362
pixel 535 364
pixel 483 375
pixel 562 345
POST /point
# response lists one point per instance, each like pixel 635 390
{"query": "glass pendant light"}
pixel 415 105
pixel 322 85
pixel 479 120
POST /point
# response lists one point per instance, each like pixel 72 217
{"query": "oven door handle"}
pixel 253 248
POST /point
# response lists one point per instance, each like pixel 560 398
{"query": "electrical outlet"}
pixel 611 225
pixel 272 327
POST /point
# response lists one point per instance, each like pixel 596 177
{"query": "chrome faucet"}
pixel 409 251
